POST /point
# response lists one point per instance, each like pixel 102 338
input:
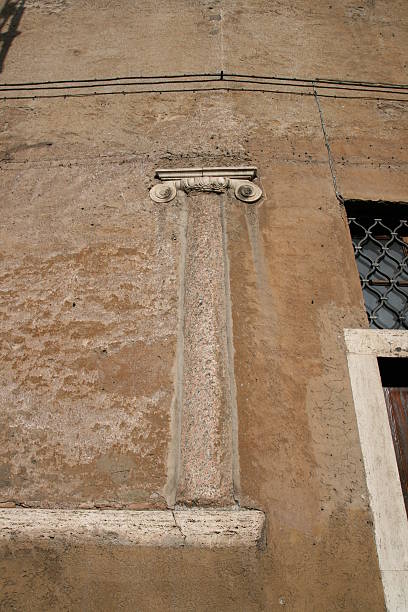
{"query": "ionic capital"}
pixel 216 180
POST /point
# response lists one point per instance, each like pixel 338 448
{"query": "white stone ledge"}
pixel 237 172
pixel 382 342
pixel 181 528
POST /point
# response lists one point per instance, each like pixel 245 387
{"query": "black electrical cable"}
pixel 217 76
pixel 320 80
pixel 184 90
pixel 162 82
pixel 53 87
pixel 128 78
pixel 196 81
pixel 339 87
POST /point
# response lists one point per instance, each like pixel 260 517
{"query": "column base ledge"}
pixel 195 528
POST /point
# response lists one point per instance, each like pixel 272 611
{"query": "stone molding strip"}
pixel 379 342
pixel 217 180
pixel 239 172
pixel 152 528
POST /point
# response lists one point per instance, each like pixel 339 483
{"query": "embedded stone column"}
pixel 206 427
pixel 203 463
pixel 207 440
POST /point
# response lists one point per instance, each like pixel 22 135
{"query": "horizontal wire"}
pixel 128 78
pixel 198 90
pixel 202 77
pixel 208 80
pixel 340 88
pixel 320 80
pixel 53 87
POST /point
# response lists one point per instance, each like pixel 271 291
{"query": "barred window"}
pixel 379 232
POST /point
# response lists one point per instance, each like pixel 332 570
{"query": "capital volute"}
pixel 216 180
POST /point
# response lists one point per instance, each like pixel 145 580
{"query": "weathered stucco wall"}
pixel 91 274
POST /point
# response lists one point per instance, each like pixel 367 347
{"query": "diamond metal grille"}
pixel 381 252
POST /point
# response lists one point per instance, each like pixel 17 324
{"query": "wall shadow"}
pixel 10 17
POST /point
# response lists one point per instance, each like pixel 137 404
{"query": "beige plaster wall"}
pixel 90 281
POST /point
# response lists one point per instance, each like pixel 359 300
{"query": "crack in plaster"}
pixel 179 528
pixel 326 140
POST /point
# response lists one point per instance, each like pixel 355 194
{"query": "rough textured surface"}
pixel 206 462
pixel 89 392
pixel 88 329
pixel 368 142
pixel 308 39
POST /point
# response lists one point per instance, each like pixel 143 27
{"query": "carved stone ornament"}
pixel 217 180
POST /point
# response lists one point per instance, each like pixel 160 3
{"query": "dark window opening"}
pixel 394 371
pixel 394 377
pixel 379 232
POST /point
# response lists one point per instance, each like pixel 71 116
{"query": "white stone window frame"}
pixel 364 346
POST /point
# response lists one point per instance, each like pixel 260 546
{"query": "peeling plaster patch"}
pixel 88 341
pixel 47 6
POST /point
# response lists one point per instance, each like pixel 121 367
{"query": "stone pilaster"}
pixel 207 448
